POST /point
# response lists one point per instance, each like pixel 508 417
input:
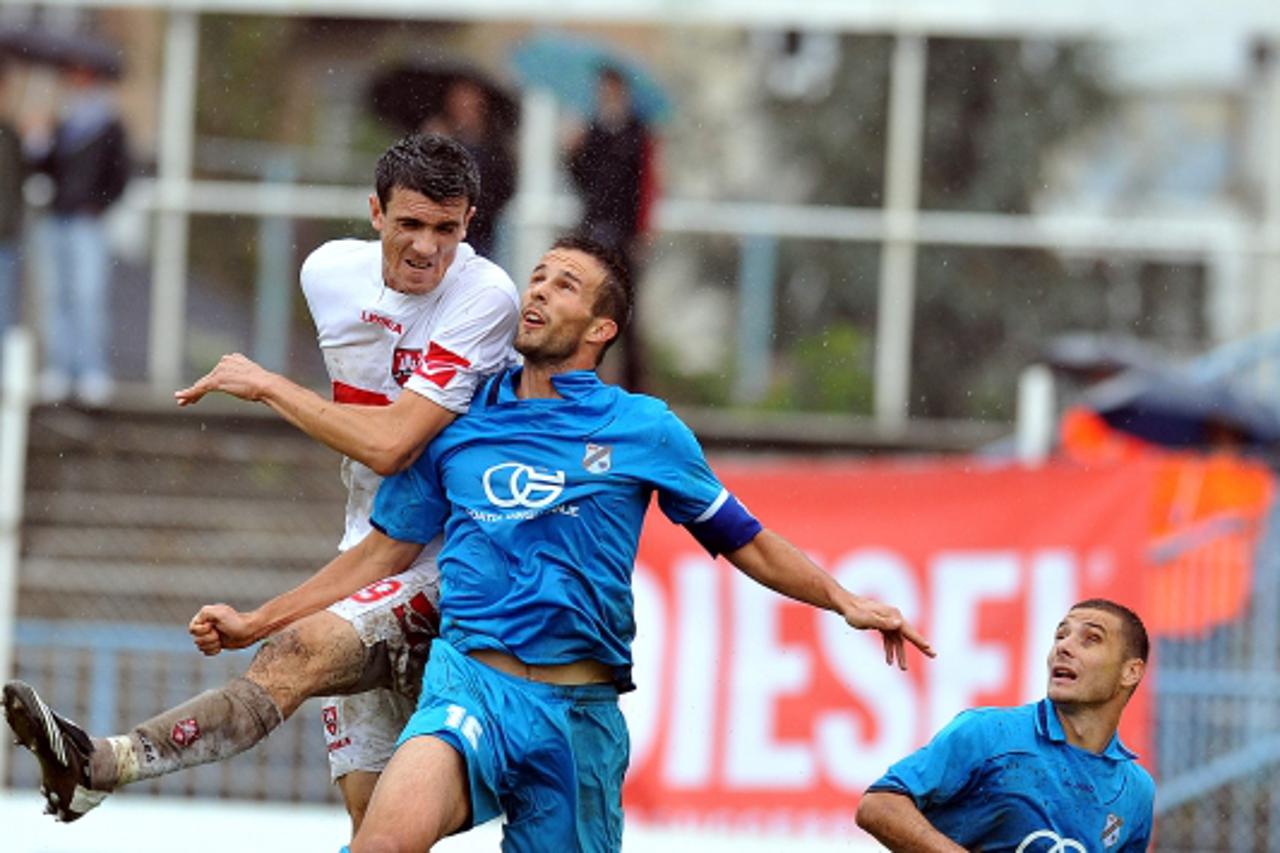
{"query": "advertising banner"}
pixel 753 711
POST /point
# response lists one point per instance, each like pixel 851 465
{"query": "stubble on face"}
pixel 558 306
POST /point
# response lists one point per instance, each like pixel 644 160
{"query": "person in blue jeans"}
pixel 12 174
pixel 541 492
pixel 1051 775
pixel 86 156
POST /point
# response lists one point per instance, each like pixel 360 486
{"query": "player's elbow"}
pixel 385 465
pixel 873 812
pixel 390 457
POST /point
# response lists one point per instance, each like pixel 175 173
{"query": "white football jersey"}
pixel 377 341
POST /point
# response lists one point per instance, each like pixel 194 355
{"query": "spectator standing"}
pixel 611 166
pixel 467 119
pixel 12 172
pixel 85 154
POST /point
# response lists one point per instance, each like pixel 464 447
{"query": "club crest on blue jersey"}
pixel 598 458
pixel 1111 830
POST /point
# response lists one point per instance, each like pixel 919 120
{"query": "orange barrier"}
pixel 1207 515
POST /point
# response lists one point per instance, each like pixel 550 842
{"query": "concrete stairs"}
pixel 142 515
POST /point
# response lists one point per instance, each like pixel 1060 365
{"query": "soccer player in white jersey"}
pixel 416 309
pixel 377 339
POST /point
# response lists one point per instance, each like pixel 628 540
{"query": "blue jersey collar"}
pixel 1048 725
pixel 573 385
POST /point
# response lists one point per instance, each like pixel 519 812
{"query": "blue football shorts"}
pixel 551 757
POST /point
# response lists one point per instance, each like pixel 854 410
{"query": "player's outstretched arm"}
pixel 386 438
pixel 895 822
pixel 774 562
pixel 220 626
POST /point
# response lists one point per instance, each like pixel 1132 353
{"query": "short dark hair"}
pixel 616 295
pixel 428 163
pixel 1137 644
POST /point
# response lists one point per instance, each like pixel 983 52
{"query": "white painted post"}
pixel 15 406
pixel 1036 415
pixel 174 158
pixel 903 151
pixel 757 274
pixel 1269 227
pixel 535 199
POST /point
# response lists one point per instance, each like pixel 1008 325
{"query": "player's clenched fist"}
pixel 220 626
pixel 234 374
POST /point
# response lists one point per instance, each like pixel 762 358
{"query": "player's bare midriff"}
pixel 564 674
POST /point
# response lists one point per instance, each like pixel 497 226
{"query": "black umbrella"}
pixel 1168 409
pixel 63 49
pixel 406 95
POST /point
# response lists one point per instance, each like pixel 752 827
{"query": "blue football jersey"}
pixel 1006 779
pixel 542 502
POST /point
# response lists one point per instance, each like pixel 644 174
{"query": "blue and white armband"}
pixel 726 525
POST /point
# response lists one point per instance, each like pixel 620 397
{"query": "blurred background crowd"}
pixel 1004 230
pixel 77 123
pixel 768 147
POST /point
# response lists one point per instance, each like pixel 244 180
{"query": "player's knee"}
pixel 318 655
pixel 286 651
pixel 300 647
pixel 282 667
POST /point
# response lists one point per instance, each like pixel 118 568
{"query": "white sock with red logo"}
pixel 215 725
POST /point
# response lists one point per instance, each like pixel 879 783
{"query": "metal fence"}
pixel 1218 724
pixel 111 676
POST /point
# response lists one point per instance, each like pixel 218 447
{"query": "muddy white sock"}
pixel 215 725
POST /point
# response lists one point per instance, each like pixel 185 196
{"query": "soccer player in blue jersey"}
pixel 1052 775
pixel 541 492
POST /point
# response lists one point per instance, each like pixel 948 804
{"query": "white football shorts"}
pixel 396 619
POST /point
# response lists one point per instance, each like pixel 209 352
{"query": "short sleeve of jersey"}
pixel 331 279
pixel 411 506
pixel 471 339
pixel 689 493
pixel 1140 839
pixel 941 769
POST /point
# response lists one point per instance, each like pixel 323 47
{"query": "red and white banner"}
pixel 754 711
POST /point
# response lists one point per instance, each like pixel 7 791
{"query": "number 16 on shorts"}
pixel 468 726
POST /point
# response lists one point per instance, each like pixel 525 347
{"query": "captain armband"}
pixel 725 526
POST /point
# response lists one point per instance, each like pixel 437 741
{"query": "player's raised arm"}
pixel 385 438
pixel 219 626
pixel 774 562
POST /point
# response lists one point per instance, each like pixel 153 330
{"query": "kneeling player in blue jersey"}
pixel 541 492
pixel 1048 776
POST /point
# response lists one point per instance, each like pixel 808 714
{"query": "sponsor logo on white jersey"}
pixel 512 484
pixel 1048 841
pixel 379 320
pixel 440 365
